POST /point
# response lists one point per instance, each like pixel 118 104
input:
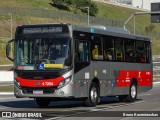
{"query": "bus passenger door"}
pixel 81 68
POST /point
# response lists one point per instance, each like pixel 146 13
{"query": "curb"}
pixel 6 93
pixel 156 82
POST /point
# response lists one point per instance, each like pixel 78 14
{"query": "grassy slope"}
pixel 142 21
pixel 44 4
pixel 105 11
pixel 8 88
pixel 2 53
pixel 120 13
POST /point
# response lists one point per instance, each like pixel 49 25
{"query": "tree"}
pixel 62 4
pixel 80 4
pixel 76 6
pixel 149 28
pixel 93 9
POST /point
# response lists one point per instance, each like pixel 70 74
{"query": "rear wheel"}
pixel 93 97
pixel 132 93
pixel 43 102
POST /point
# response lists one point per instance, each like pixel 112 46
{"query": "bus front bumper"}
pixel 63 92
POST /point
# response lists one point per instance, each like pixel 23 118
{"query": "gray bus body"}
pixel 112 76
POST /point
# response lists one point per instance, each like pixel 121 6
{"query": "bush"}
pixel 76 6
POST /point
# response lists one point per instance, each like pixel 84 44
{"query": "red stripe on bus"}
pixel 39 83
pixel 124 79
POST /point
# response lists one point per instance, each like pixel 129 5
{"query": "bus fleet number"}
pixel 47 83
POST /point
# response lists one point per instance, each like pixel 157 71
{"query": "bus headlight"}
pixel 64 82
pixel 17 83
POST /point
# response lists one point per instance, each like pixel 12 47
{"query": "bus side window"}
pixel 140 51
pixel 148 54
pixel 96 48
pixel 130 56
pixel 108 54
pixel 119 55
pixel 108 48
pixel 95 52
pixel 119 49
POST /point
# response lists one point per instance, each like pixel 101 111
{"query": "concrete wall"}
pixel 6 76
pixel 144 4
pixel 141 4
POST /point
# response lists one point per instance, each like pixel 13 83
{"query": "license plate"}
pixel 39 92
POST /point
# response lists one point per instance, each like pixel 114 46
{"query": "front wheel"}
pixel 93 97
pixel 132 93
pixel 43 102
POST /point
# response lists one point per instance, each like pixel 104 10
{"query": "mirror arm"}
pixel 10 41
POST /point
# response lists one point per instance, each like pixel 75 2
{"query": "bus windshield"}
pixel 43 53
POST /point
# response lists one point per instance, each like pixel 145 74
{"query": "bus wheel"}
pixel 93 97
pixel 132 93
pixel 43 102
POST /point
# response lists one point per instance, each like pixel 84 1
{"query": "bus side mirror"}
pixel 8 49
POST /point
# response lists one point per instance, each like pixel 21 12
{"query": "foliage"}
pixel 149 28
pixel 76 6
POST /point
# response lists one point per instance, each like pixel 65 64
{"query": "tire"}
pixel 42 102
pixel 93 96
pixel 132 93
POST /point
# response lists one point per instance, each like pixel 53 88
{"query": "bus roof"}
pixel 112 31
pixel 106 30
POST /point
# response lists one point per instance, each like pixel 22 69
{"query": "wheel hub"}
pixel 133 91
pixel 94 94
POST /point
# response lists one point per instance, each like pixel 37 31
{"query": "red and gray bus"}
pixel 64 61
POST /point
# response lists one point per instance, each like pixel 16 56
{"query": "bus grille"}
pixel 45 90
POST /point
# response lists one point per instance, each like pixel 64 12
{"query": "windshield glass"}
pixel 43 53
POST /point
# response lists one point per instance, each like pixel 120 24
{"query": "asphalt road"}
pixel 147 103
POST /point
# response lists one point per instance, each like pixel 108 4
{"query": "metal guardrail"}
pixel 5 65
pixel 42 13
pixel 70 18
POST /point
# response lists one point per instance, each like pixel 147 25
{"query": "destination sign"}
pixel 42 30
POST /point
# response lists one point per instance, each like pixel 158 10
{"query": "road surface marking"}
pixel 100 109
pixel 144 95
